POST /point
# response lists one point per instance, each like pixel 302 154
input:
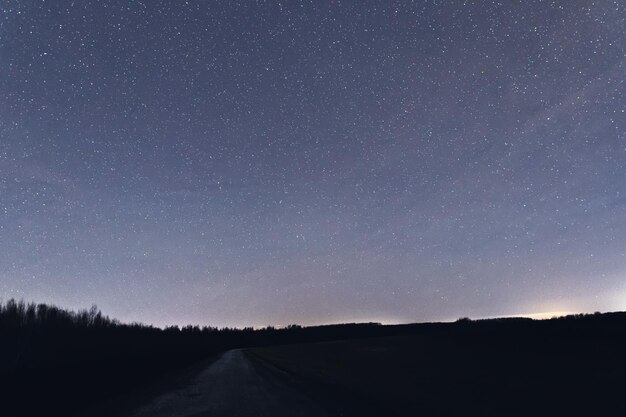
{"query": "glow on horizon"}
pixel 543 315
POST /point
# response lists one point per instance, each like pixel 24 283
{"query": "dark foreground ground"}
pixel 55 362
pixel 537 369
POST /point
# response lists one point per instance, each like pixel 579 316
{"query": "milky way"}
pixel 261 163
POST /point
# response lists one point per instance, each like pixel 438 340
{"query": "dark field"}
pixel 506 368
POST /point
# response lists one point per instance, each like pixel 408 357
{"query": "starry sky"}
pixel 265 162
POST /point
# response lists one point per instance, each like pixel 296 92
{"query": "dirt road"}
pixel 233 386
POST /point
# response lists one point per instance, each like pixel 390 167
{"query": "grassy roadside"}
pixel 334 398
pixel 127 404
pixel 343 372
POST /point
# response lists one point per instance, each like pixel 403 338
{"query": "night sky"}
pixel 260 163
